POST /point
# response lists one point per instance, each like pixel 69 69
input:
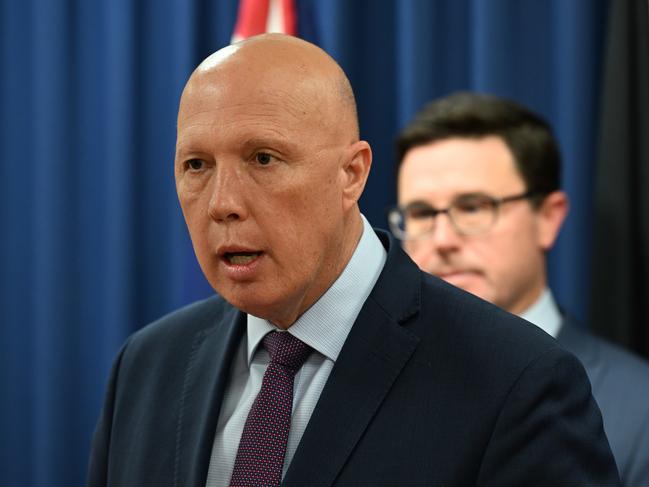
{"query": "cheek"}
pixel 305 233
pixel 506 259
pixel 420 254
pixel 193 202
pixel 198 225
pixel 314 208
pixel 198 228
pixel 204 252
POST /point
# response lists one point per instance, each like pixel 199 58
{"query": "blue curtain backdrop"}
pixel 93 244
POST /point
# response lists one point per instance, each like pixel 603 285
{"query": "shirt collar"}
pixel 545 313
pixel 326 324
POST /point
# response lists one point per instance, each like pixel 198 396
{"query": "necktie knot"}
pixel 286 350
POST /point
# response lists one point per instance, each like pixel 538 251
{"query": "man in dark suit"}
pixel 493 167
pixel 328 357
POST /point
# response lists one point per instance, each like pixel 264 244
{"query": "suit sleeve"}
pixel 549 430
pixel 100 446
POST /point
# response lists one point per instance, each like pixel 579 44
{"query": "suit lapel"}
pixel 372 357
pixel 206 377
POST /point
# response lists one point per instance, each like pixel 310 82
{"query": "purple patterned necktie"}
pixel 260 457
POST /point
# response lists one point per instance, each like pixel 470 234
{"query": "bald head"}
pixel 269 169
pixel 290 70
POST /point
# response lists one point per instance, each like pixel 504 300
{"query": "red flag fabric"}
pixel 259 16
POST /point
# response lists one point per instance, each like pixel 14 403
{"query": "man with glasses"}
pixel 479 206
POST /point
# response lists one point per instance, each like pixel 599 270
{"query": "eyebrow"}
pixel 278 143
pixel 472 195
pixel 257 141
pixel 455 199
pixel 183 152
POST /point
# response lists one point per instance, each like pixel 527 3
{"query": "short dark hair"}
pixel 471 115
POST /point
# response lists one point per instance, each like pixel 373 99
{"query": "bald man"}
pixel 326 357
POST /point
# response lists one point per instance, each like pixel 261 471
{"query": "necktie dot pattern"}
pixel 260 457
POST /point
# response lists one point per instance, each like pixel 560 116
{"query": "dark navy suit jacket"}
pixel 620 384
pixel 432 387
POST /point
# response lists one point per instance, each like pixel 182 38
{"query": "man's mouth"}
pixel 241 258
pixel 456 273
pixel 452 273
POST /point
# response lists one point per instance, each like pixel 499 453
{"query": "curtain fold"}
pixel 620 304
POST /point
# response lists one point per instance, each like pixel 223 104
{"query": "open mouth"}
pixel 241 258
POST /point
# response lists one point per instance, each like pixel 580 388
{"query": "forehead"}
pixel 215 112
pixel 233 93
pixel 443 169
pixel 244 96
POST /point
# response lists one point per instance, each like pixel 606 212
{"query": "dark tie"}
pixel 260 456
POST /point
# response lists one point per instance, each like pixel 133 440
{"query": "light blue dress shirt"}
pixel 324 327
pixel 545 314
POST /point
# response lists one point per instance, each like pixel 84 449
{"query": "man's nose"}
pixel 444 235
pixel 227 199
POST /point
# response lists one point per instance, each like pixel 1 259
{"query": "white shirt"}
pixel 324 327
pixel 545 314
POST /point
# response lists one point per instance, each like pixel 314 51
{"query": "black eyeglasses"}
pixel 470 214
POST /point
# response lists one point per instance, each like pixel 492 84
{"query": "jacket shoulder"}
pixel 169 336
pixel 187 320
pixel 606 360
pixel 487 332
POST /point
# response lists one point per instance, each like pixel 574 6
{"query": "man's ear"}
pixel 551 215
pixel 356 168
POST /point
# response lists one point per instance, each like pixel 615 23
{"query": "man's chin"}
pixel 254 302
pixel 466 280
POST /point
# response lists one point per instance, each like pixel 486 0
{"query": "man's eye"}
pixel 264 158
pixel 469 207
pixel 418 211
pixel 195 164
pixel 473 205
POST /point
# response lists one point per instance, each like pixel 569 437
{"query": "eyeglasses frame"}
pixel 434 212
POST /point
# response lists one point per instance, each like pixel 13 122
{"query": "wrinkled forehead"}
pixel 227 110
pixel 280 61
pixel 246 109
pixel 276 78
pixel 236 82
pixel 244 102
